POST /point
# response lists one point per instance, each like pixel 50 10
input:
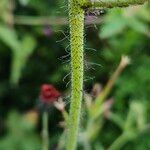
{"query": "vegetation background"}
pixel 33 39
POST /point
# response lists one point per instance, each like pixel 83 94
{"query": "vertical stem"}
pixel 76 21
pixel 45 135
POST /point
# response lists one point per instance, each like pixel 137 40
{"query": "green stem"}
pixel 112 3
pixel 39 20
pixel 107 89
pixel 45 134
pixel 48 20
pixel 76 21
pixel 118 144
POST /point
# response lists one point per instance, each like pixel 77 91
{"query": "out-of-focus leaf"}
pixel 114 24
pixel 9 37
pixel 24 2
pixel 98 146
pixel 20 136
pixel 5 12
pixel 144 13
pixel 21 50
pixel 139 26
pixel 20 57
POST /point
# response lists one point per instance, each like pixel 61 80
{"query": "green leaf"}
pixel 20 57
pixel 144 13
pixel 21 50
pixel 9 37
pixel 139 26
pixel 114 24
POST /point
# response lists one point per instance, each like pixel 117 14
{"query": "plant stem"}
pixel 40 20
pixel 48 20
pixel 45 134
pixel 121 140
pixel 97 107
pixel 107 89
pixel 112 3
pixel 76 21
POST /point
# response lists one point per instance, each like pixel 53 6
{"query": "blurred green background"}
pixel 34 49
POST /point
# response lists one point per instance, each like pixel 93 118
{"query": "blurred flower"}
pixel 24 2
pixel 49 94
pixel 48 31
pixel 88 99
pixel 62 124
pixel 97 89
pixel 125 60
pixel 60 104
pixel 90 18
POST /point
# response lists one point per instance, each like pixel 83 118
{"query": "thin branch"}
pixel 39 20
pixel 48 20
pixel 112 3
pixel 125 60
pixel 45 134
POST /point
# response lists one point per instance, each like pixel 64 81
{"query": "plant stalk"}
pixel 112 3
pixel 120 142
pixel 45 134
pixel 76 21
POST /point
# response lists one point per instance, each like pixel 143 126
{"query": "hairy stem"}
pixel 112 3
pixel 76 21
pixel 45 135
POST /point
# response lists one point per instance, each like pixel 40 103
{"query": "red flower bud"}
pixel 49 94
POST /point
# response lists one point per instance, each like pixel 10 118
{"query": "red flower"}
pixel 49 94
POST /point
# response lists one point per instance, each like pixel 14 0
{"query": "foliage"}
pixel 23 137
